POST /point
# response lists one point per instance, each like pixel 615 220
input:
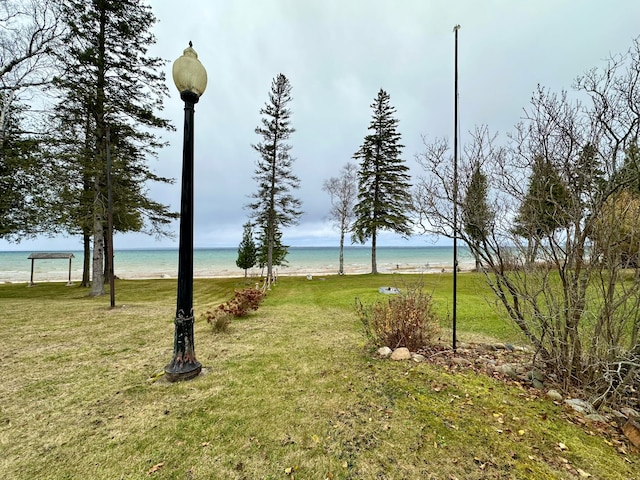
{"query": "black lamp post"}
pixel 190 78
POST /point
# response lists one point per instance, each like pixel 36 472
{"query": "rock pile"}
pixel 513 363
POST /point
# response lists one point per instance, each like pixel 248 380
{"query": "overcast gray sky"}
pixel 337 54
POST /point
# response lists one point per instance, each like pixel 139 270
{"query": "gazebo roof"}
pixel 42 255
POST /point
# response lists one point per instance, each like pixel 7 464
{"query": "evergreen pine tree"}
pixel 278 250
pixel 247 251
pixel 384 198
pixel 545 208
pixel 110 81
pixel 274 206
pixel 476 214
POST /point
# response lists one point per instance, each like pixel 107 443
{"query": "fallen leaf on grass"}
pixel 583 474
pixel 562 446
pixel 290 470
pixel 481 465
pixel 155 468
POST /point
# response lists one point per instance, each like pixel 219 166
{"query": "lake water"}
pixel 220 262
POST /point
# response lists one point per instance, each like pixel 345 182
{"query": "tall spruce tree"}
pixel 274 206
pixel 477 216
pixel 384 197
pixel 278 250
pixel 247 251
pixel 546 207
pixel 110 81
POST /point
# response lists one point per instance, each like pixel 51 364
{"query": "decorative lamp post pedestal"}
pixel 191 79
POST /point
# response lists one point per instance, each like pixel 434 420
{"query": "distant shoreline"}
pixel 302 272
pixel 221 263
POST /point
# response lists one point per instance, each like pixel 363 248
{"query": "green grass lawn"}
pixel 291 391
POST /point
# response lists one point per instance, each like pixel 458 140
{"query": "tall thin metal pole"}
pixel 455 188
pixel 184 365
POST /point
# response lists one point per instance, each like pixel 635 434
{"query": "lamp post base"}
pixel 184 365
pixel 178 371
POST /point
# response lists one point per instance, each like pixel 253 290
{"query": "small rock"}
pixel 537 384
pixel 522 370
pixel 629 412
pixel 401 353
pixel 507 369
pixel 499 346
pixel 535 375
pixel 554 395
pixel 509 347
pixel 596 417
pixel 384 352
pixel 416 357
pixel 580 406
pixel 463 362
pixel 619 415
pixel 389 290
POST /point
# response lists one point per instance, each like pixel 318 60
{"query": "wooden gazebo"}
pixel 49 256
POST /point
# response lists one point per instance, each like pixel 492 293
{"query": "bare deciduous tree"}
pixel 343 192
pixel 577 302
pixel 29 31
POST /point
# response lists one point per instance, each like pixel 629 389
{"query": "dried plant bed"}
pixel 289 391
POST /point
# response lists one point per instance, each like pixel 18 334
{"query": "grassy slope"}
pixel 290 389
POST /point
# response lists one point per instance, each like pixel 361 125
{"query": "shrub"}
pixel 243 302
pixel 403 320
pixel 219 320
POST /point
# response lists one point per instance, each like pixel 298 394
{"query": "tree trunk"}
pixel 270 242
pixel 374 263
pixel 86 259
pixel 341 267
pixel 97 284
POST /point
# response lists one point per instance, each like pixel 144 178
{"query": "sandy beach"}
pixel 314 272
pixel 220 263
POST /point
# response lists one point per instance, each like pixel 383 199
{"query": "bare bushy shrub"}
pixel 403 320
pixel 243 302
